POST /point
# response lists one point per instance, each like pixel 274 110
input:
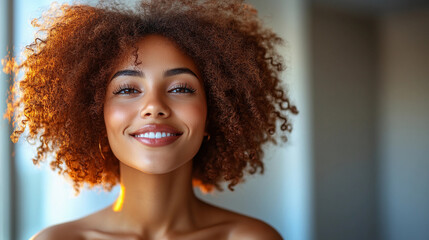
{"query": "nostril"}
pixel 155 114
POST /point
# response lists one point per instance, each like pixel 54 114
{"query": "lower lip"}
pixel 157 142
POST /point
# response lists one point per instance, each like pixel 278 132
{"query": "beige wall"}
pixel 343 53
pixel 371 124
pixel 404 125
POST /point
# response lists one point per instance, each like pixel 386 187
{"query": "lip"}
pixel 157 142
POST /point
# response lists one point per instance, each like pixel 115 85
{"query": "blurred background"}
pixel 357 163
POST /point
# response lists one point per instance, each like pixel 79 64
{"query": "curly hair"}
pixel 59 98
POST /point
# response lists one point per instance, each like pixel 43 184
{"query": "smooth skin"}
pixel 159 202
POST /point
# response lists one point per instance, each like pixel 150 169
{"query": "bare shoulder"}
pixel 72 230
pixel 62 231
pixel 239 226
pixel 253 229
pixel 85 228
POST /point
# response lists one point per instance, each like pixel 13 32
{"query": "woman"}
pixel 173 94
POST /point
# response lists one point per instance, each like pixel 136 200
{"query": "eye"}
pixel 182 88
pixel 125 90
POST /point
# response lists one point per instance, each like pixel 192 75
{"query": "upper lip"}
pixel 156 128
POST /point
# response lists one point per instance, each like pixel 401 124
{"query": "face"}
pixel 155 111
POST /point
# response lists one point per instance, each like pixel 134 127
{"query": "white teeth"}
pixel 151 135
pixel 154 135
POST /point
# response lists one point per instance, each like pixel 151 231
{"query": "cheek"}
pixel 195 115
pixel 116 115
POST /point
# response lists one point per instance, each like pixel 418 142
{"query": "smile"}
pixel 156 135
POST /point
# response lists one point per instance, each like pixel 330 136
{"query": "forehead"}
pixel 155 51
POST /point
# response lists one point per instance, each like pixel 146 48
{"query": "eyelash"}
pixel 127 89
pixel 183 87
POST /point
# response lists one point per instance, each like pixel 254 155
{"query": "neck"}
pixel 153 204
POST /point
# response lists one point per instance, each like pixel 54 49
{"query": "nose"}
pixel 154 107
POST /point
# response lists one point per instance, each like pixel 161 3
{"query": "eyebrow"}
pixel 133 73
pixel 176 71
pixel 168 73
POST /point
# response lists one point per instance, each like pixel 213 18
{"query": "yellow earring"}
pixel 101 152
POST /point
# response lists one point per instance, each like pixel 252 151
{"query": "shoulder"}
pixel 63 231
pixel 77 229
pixel 253 229
pixel 238 226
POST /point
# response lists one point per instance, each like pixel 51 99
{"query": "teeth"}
pixel 154 135
pixel 151 135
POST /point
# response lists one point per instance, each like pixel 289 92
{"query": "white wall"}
pixel 5 183
pixel 404 125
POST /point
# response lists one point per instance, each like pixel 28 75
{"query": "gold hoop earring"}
pixel 208 137
pixel 101 152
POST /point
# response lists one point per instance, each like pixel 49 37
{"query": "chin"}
pixel 158 165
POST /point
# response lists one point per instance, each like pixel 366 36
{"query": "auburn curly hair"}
pixel 59 98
